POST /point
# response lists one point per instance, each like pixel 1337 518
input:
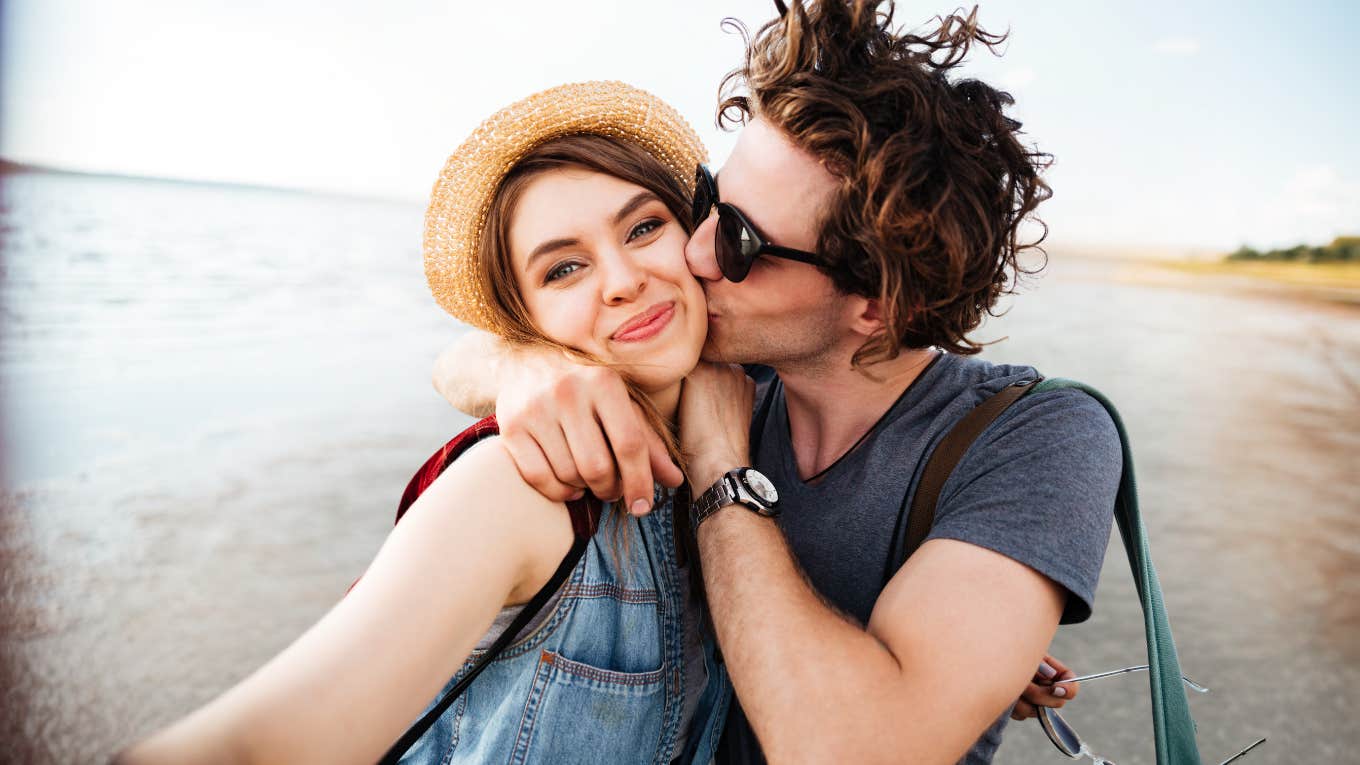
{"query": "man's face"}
pixel 784 313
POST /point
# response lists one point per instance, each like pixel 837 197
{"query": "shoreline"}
pixel 1333 284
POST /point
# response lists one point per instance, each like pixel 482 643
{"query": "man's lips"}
pixel 645 324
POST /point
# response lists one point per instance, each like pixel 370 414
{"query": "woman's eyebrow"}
pixel 637 201
pixel 553 245
pixel 550 246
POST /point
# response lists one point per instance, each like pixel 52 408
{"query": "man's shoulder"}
pixel 1048 415
pixel 973 380
pixel 1038 422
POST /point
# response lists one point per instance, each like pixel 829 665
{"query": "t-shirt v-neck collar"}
pixel 830 474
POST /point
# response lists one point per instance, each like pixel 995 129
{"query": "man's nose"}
pixel 701 253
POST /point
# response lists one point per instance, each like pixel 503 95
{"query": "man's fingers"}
pixel 552 446
pixel 628 432
pixel 665 471
pixel 1042 695
pixel 534 469
pixel 1051 668
pixel 1053 671
pixel 553 442
pixel 1066 691
pixel 591 456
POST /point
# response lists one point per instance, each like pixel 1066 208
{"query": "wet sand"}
pixel 138 581
pixel 1244 415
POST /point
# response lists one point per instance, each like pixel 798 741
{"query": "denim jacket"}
pixel 601 680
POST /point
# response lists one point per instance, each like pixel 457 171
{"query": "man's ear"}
pixel 868 315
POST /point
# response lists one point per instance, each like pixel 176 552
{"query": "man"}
pixel 866 221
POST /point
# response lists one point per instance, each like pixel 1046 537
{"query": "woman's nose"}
pixel 701 253
pixel 625 278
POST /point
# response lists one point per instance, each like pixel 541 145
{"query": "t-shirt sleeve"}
pixel 1039 486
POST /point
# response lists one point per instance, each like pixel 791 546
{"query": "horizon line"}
pixel 8 165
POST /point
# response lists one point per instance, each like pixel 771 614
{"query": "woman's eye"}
pixel 561 270
pixel 644 228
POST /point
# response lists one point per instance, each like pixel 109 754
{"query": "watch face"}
pixel 761 486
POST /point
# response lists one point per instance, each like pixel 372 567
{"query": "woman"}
pixel 561 222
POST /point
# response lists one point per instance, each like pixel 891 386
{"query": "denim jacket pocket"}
pixel 582 713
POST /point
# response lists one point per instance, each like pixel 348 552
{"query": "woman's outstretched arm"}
pixel 477 539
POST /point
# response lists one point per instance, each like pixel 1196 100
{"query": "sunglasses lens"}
pixel 1059 732
pixel 733 257
pixel 703 196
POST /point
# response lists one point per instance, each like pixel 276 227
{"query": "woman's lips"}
pixel 645 325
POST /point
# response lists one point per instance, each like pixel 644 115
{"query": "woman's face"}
pixel 601 265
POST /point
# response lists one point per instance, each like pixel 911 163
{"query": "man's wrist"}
pixel 733 516
pixel 705 474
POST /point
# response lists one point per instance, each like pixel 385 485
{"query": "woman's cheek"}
pixel 573 325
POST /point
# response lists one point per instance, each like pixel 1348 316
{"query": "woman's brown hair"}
pixel 615 157
pixel 934 181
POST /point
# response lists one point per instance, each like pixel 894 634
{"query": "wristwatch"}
pixel 744 485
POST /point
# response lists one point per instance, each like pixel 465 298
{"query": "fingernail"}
pixel 577 494
pixel 1046 670
pixel 1059 691
pixel 640 506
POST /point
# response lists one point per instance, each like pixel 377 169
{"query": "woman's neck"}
pixel 667 401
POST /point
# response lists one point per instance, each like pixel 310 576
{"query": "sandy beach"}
pixel 202 450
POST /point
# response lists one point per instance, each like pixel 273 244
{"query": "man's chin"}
pixel 716 352
pixel 712 352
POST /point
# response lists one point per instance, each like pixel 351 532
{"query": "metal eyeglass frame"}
pixel 1065 738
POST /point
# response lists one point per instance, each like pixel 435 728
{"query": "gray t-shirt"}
pixel 1038 485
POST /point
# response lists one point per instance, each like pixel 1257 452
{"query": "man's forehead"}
pixel 766 161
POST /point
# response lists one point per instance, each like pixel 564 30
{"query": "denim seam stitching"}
pixel 529 714
pixel 577 669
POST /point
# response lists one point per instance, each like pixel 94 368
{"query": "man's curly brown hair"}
pixel 934 181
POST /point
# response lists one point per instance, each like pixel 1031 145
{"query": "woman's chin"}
pixel 662 369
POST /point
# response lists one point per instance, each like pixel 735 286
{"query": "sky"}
pixel 1203 125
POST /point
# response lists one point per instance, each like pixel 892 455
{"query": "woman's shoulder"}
pixel 488 467
pixel 485 486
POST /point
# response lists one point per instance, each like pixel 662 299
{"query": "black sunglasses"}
pixel 737 241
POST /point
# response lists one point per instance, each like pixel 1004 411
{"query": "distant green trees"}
pixel 1342 249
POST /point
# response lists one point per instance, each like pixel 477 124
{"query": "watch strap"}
pixel 718 496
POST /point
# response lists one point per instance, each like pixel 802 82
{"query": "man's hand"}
pixel 1046 689
pixel 570 427
pixel 715 421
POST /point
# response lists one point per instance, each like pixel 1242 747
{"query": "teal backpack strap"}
pixel 1172 726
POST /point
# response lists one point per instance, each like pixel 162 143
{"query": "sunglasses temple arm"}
pixel 1253 745
pixel 789 253
pixel 1140 668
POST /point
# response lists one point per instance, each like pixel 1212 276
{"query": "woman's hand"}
pixel 569 427
pixel 715 421
pixel 1046 689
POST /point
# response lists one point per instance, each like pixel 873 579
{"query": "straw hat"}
pixel 462 194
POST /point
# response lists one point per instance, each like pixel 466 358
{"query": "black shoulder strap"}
pixel 909 536
pixel 585 515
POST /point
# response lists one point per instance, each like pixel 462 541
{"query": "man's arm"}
pixel 568 426
pixel 816 686
pixel 467 373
